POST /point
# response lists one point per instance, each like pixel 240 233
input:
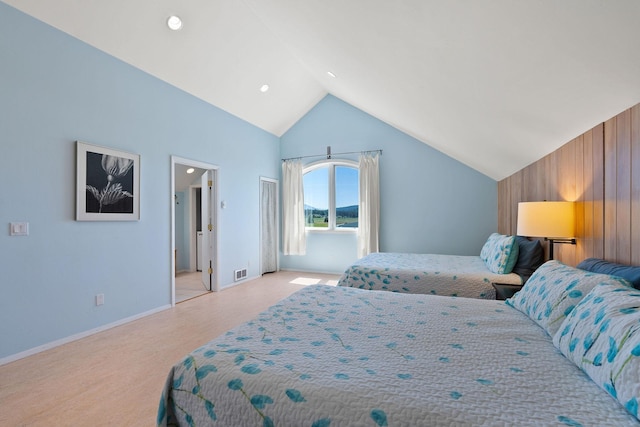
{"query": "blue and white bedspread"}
pixel 450 275
pixel 335 356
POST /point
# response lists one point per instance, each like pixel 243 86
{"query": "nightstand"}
pixel 504 290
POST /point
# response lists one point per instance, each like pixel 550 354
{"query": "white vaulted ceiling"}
pixel 496 84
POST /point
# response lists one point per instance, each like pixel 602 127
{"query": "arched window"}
pixel 331 195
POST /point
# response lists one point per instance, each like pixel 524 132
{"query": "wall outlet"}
pixel 99 299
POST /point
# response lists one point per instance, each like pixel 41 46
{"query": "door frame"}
pixel 277 184
pixel 214 219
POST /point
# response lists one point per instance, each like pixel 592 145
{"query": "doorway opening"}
pixel 194 236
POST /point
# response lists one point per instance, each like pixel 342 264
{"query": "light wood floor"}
pixel 189 285
pixel 115 377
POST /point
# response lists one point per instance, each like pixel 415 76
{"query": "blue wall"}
pixel 55 90
pixel 430 203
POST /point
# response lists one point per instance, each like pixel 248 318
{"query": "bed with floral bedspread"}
pixel 339 356
pixel 450 275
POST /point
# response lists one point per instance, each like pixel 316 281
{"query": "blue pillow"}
pixel 628 272
pixel 530 257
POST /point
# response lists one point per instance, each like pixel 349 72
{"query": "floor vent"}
pixel 240 274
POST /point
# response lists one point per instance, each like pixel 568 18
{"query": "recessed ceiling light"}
pixel 174 22
pixel 264 88
pixel 191 170
pixel 331 74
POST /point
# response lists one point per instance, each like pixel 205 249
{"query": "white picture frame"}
pixel 107 184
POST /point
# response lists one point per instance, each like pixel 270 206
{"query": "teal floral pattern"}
pixel 338 356
pixel 602 336
pixel 553 291
pixel 500 253
pixel 432 274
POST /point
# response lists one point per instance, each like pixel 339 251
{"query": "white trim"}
pixel 336 230
pixel 75 337
pixel 299 270
pixel 320 163
pixel 239 282
pixel 202 165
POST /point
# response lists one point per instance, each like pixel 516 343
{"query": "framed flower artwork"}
pixel 107 185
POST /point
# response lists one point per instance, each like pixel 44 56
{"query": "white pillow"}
pixel 602 337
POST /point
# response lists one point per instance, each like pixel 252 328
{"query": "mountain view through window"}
pixel 331 197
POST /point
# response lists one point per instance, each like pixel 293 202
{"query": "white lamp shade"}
pixel 546 219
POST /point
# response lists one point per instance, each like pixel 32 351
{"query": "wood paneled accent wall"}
pixel 600 170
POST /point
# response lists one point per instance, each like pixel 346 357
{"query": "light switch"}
pixel 19 229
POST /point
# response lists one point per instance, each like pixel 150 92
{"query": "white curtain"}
pixel 268 227
pixel 293 233
pixel 369 214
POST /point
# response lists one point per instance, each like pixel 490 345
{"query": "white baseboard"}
pixel 62 341
pixel 239 282
pixel 312 271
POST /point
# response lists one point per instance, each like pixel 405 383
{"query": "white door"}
pixel 206 255
pixel 268 225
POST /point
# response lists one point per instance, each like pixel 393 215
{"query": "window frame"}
pixel 331 164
